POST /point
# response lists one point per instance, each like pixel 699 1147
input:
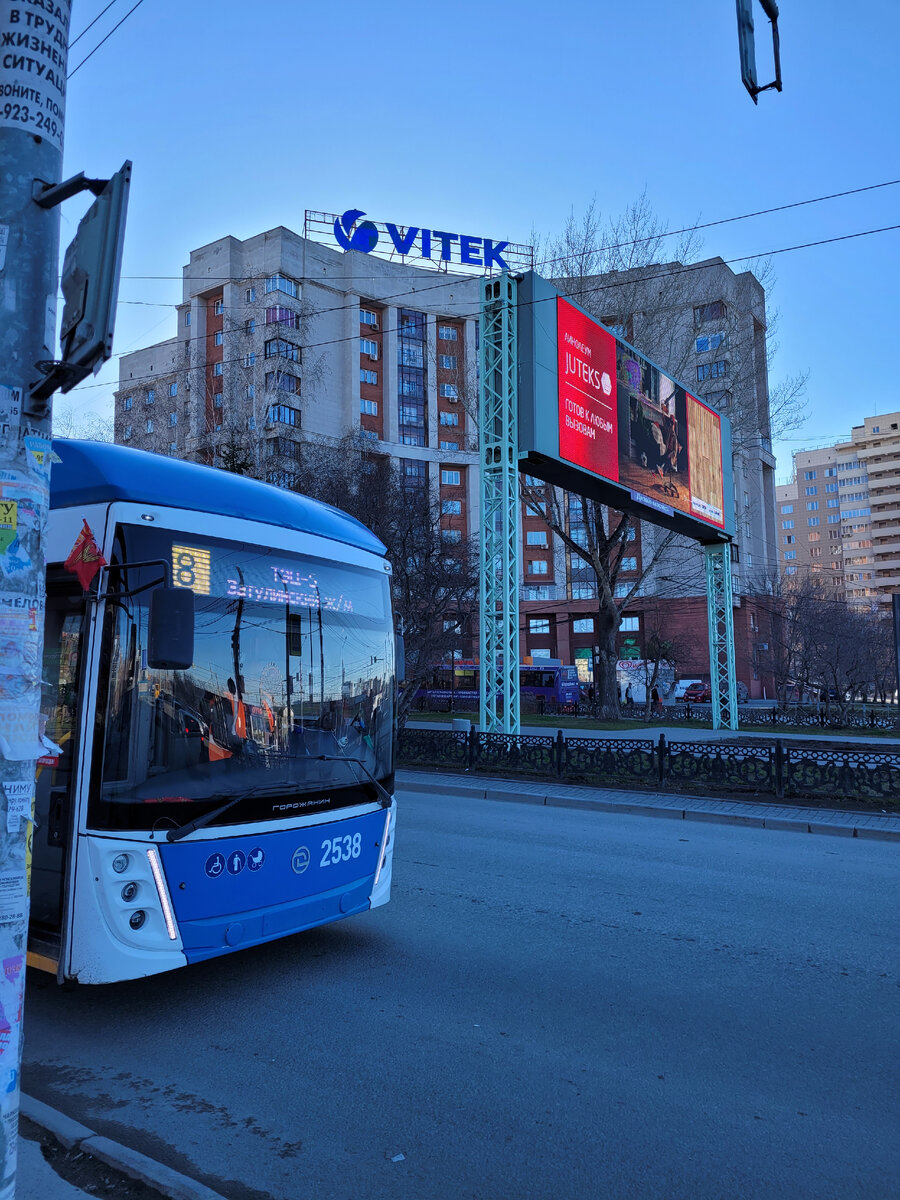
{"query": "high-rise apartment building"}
pixel 280 338
pixel 839 516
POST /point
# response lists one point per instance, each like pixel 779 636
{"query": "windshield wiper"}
pixel 175 835
pixel 383 794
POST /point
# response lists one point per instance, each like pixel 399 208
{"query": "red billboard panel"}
pixel 588 419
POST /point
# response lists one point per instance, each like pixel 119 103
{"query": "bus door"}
pixel 53 832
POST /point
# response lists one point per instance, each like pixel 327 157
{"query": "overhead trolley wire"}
pixel 473 315
pixel 104 39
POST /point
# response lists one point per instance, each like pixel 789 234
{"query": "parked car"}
pixel 698 693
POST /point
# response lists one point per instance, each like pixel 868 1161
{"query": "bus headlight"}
pixel 137 918
pixel 120 864
pixel 129 891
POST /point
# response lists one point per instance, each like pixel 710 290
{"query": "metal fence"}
pixel 780 769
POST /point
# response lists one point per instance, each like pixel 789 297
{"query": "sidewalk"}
pixel 100 1166
pixel 791 817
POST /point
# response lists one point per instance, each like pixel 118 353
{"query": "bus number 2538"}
pixel 335 850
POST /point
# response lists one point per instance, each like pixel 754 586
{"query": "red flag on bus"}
pixel 85 559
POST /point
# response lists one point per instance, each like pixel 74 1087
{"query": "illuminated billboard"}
pixel 599 418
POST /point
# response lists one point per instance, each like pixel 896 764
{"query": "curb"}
pixel 72 1134
pixel 679 811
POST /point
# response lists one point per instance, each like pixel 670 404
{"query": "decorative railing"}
pixel 855 774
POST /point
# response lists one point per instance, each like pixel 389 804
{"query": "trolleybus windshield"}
pixel 292 672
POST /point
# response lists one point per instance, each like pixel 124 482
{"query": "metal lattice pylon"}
pixel 499 557
pixel 720 617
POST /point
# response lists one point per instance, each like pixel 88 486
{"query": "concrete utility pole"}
pixel 33 60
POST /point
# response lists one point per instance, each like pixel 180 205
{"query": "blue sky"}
pixel 499 119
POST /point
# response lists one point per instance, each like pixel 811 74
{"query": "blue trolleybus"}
pixel 221 704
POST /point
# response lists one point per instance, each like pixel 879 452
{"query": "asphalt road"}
pixel 556 1005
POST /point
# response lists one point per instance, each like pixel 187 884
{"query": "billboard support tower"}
pixel 720 618
pixel 499 550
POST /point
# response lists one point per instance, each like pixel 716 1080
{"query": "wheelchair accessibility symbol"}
pixel 300 860
pixel 215 865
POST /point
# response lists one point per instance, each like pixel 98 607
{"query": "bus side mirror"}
pixel 399 658
pixel 171 638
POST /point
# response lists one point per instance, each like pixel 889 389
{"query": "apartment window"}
pixel 219 337
pixel 711 342
pixel 173 389
pixel 787 508
pixel 809 474
pixel 451 536
pixel 721 400
pixel 173 447
pixel 583 625
pixel 127 403
pixel 449 445
pixel 815 552
pixel 830 487
pixel 251 392
pixel 217 400
pixel 173 419
pixel 367 376
pixel 187 318
pixel 284 413
pixel 716 310
pixel 249 358
pixel 414 473
pixel 449 418
pixel 279 348
pixel 369 407
pixel 621 590
pixel 812 521
pixel 447 333
pixel 367 317
pixel 448 391
pixel 284 447
pixel 285 479
pixel 451 508
pixel 629 564
pixel 537 566
pixel 447 362
pixel 218 308
pixel 451 478
pixel 787 524
pixel 812 491
pixel 250 295
pixel 282 381
pixel 127 433
pixel 790 554
pixel 787 539
pixel 367 346
pixel 276 315
pixel 218 429
pixel 580 591
pixel 536 537
pixel 832 503
pixel 876 429
pixel 150 397
pixel 282 283
pixel 250 326
pixel 538 624
pixel 149 424
pixel 812 506
pixel 217 368
pixel 713 370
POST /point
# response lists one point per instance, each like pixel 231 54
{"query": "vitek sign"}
pixel 352 232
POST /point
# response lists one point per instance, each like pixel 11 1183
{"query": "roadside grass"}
pixel 642 729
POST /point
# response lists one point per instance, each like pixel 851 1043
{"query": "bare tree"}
pixel 434 580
